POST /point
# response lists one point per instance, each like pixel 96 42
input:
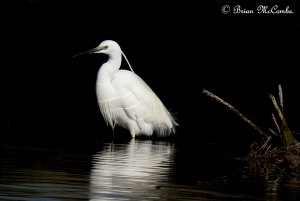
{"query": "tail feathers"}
pixel 166 128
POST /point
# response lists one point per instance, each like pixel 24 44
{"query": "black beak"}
pixel 92 51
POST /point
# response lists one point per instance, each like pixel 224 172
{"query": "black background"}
pixel 177 47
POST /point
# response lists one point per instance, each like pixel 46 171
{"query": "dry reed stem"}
pixel 275 122
pixel 280 94
pixel 287 135
pixel 277 108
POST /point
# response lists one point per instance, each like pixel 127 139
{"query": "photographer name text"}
pixel 261 9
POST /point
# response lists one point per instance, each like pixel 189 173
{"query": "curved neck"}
pixel 110 67
pixel 114 61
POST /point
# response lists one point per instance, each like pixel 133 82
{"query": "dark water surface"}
pixel 136 170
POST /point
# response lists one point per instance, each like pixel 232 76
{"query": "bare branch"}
pixel 215 97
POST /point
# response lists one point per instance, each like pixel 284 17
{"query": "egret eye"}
pixel 105 47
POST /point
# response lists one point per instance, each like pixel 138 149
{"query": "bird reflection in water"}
pixel 130 171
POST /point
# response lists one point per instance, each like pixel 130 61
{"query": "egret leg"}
pixel 133 129
pixel 132 132
pixel 146 128
pixel 113 136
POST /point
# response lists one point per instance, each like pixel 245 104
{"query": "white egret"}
pixel 126 100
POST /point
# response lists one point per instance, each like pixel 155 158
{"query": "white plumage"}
pixel 126 100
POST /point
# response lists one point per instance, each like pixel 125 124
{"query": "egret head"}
pixel 108 47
